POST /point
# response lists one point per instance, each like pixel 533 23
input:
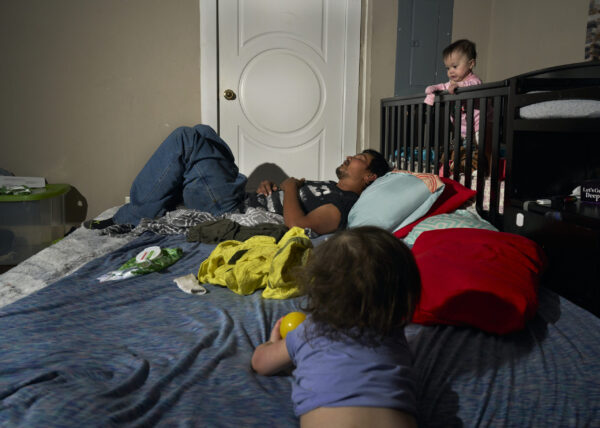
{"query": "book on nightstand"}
pixel 590 192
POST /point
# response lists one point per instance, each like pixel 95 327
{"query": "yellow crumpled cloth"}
pixel 258 262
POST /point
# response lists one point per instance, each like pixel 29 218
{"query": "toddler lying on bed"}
pixel 352 362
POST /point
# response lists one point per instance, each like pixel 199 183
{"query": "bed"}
pixel 142 352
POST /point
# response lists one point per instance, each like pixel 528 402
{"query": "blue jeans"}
pixel 194 166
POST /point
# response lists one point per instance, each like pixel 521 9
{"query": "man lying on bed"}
pixel 195 166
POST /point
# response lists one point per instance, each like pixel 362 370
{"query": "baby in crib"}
pixel 353 366
pixel 459 59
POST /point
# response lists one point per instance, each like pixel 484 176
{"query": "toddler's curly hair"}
pixel 361 282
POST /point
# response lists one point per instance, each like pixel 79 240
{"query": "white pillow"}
pixel 393 201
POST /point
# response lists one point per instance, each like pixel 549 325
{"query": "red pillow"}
pixel 477 277
pixel 453 197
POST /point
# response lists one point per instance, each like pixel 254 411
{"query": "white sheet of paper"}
pixel 33 182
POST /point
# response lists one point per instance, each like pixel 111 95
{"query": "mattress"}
pixel 561 109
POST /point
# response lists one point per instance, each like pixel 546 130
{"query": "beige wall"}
pixel 382 44
pixel 90 88
pixel 516 36
pixel 471 20
pixel 530 35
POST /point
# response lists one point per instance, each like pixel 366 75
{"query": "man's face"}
pixel 354 166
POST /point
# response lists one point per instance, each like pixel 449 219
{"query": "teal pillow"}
pixel 393 201
pixel 455 220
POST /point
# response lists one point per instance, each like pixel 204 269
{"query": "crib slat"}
pixel 390 120
pixel 420 129
pixel 411 148
pixel 482 163
pixel 394 133
pixel 428 136
pixel 456 139
pixel 446 136
pixel 396 139
pixel 469 143
pixel 494 193
pixel 404 151
pixel 437 138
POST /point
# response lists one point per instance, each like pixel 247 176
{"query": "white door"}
pixel 291 68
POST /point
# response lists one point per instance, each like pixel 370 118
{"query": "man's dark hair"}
pixel 464 46
pixel 378 165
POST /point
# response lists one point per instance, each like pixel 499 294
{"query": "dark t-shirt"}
pixel 313 194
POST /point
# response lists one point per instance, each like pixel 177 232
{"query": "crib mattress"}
pixel 561 109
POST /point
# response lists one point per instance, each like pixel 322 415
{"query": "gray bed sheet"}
pixel 141 352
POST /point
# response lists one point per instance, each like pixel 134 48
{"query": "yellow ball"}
pixel 290 322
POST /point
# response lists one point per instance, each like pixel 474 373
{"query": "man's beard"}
pixel 339 172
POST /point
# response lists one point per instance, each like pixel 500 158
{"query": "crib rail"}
pixel 420 138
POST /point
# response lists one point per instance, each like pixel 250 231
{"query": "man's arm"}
pixel 322 220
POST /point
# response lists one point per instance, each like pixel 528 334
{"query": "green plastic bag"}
pixel 151 259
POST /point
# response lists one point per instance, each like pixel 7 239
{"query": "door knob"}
pixel 229 95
